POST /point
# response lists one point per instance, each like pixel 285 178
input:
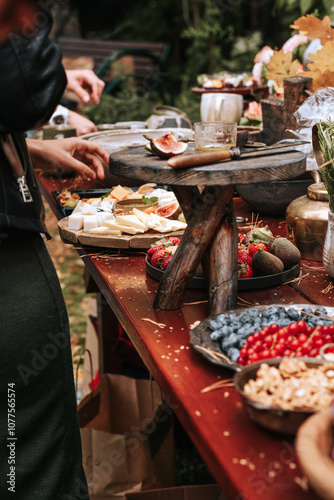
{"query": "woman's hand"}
pixel 83 125
pixel 82 156
pixel 85 84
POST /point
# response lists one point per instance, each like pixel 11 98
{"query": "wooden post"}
pixel 204 216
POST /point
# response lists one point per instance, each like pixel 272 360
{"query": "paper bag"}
pixel 127 438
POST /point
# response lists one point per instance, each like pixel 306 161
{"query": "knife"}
pixel 197 159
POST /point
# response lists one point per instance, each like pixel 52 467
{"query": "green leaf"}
pixel 149 201
pixel 305 6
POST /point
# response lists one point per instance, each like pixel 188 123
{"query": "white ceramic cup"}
pixel 221 107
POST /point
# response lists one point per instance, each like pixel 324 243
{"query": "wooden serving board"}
pixel 136 241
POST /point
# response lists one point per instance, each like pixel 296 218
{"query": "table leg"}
pixel 204 213
pixel 220 263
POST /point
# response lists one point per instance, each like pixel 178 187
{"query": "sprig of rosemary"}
pixel 326 142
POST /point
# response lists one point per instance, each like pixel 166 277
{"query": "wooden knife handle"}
pixel 197 159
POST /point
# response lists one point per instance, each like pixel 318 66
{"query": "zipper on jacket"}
pixel 10 151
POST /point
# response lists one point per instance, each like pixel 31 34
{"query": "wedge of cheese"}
pixel 124 229
pixel 78 207
pixel 105 230
pixel 75 221
pixel 144 218
pixel 131 221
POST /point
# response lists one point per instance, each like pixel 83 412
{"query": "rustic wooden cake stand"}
pixel 205 195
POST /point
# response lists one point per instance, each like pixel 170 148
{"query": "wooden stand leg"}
pixel 223 261
pixel 203 217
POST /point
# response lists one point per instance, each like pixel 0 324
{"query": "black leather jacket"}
pixel 32 81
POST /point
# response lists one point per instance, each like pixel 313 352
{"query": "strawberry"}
pixel 158 257
pixel 254 247
pixel 166 261
pixel 241 237
pixel 244 271
pixel 174 240
pixel 152 250
pixel 244 257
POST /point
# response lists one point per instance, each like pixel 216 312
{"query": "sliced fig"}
pixel 169 211
pixel 167 146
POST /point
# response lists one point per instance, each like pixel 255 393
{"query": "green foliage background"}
pixel 205 36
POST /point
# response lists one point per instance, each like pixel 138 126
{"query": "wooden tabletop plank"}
pixel 138 163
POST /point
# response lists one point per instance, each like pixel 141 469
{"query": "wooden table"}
pixel 211 234
pixel 248 462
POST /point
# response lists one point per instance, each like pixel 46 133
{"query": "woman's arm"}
pixel 82 156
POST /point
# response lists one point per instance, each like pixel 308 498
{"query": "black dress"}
pixel 40 448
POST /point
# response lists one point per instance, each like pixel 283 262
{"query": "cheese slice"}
pixel 124 229
pixel 90 221
pixel 142 216
pixel 119 193
pixel 105 230
pixel 75 221
pixel 130 220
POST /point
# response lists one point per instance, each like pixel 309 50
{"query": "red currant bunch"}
pixel 296 340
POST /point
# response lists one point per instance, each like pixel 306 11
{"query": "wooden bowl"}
pixel 129 205
pixel 314 445
pixel 272 418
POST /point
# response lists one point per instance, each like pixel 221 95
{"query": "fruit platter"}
pixel 263 261
pixel 245 336
pixel 122 218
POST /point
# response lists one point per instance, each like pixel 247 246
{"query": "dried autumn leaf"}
pixel 323 59
pixel 315 28
pixel 282 66
pixel 320 80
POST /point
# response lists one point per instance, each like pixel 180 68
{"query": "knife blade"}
pixel 206 158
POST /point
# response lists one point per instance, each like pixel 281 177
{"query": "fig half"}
pixel 167 146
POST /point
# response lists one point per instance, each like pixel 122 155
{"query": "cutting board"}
pixel 136 241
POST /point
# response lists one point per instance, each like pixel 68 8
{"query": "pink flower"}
pixel 254 110
pixel 294 42
pixel 264 55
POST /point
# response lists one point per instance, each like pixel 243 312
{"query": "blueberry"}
pixel 293 314
pixel 223 318
pixel 265 313
pixel 216 335
pixel 226 330
pixel 243 318
pixel 214 324
pixel 272 310
pixel 285 322
pixel 319 311
pixel 274 318
pixel 240 343
pixel 233 317
pixel 230 341
pixel 253 312
pixel 233 353
pixel 242 331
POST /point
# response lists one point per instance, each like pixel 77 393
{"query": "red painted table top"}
pixel 248 462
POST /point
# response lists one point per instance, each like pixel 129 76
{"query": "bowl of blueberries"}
pixel 244 336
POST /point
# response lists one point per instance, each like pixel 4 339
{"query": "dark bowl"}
pixel 273 198
pixel 270 417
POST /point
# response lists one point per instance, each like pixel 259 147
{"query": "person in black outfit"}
pixel 40 452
